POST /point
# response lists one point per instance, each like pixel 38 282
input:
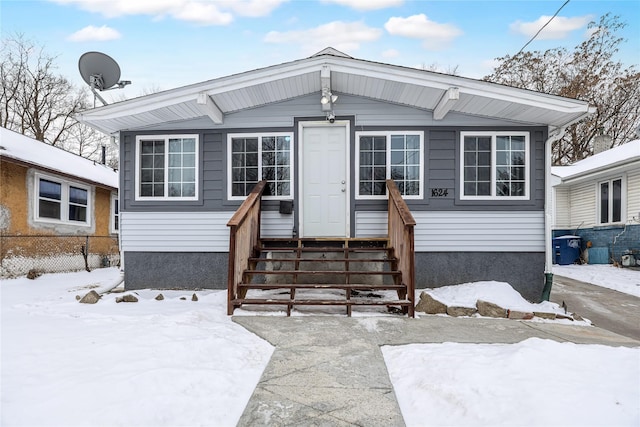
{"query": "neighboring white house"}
pixel 598 199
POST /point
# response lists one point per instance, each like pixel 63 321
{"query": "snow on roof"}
pixel 28 150
pixel 616 156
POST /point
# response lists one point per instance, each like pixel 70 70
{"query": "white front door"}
pixel 324 187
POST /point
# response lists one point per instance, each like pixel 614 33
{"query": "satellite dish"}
pixel 100 72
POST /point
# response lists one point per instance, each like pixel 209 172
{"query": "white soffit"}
pixel 434 92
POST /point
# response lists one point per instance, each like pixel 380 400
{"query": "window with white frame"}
pixel 257 157
pixel 167 167
pixel 610 201
pixel 115 214
pixel 389 155
pixel 494 165
pixel 61 200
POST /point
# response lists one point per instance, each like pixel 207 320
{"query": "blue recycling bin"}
pixel 566 249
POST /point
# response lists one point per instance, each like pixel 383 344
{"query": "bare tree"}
pixel 34 100
pixel 589 73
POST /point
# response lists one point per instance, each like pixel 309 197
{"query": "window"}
pixel 610 201
pixel 115 214
pixel 253 158
pixel 494 165
pixel 389 155
pixel 60 200
pixel 167 167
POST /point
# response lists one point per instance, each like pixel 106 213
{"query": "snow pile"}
pixel 500 293
pixel 533 383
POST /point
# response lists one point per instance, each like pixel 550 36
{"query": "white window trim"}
pixel 527 165
pixel 64 200
pixel 623 201
pixel 388 134
pixel 260 135
pixel 112 225
pixel 140 138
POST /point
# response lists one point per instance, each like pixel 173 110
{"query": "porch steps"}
pixel 323 272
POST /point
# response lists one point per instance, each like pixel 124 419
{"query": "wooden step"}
pixel 321 273
pixel 371 301
pixel 323 260
pixel 345 286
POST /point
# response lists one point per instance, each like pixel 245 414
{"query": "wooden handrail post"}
pixel 244 238
pixel 401 238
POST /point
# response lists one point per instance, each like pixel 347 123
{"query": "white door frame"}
pixel 300 207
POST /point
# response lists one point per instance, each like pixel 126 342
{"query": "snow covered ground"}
pixel 179 362
pixel 619 279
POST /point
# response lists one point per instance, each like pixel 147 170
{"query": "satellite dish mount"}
pixel 100 72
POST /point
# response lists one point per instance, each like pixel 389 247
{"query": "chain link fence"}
pixel 21 254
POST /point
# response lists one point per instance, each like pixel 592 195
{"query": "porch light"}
pixel 327 97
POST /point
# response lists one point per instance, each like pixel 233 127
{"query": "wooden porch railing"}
pixel 401 239
pixel 244 239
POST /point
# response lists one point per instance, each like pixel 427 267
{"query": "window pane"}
pixel 397 142
pixel 604 202
pixel 413 172
pixel 175 175
pixel 189 145
pixel 380 174
pixel 397 157
pixel 158 190
pixel 146 190
pixel 77 195
pixel 251 145
pixel 365 188
pixel 50 189
pixel 379 189
pixel 238 190
pixel 268 143
pixel 189 175
pixel 269 173
pixel 251 159
pixel 380 143
pixel 413 142
pixel 503 143
pixel 158 160
pixel 484 174
pixel 283 173
pixel 397 173
pixel 175 160
pixel 484 189
pixel 366 143
pixel 283 143
pixel 616 201
pixel 366 158
pixel 283 189
pixel 77 213
pixel 484 143
pixel 188 190
pixel 188 160
pixel 175 146
pixel 49 209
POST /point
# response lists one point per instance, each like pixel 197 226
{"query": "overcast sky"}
pixel 162 44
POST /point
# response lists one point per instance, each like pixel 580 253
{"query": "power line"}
pixel 542 28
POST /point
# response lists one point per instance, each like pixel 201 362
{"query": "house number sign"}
pixel 439 192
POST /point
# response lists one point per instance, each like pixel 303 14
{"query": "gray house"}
pixel 326 134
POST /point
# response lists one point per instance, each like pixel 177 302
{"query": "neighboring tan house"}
pixel 598 199
pixel 53 204
pixel 326 132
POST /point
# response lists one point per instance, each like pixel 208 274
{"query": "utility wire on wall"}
pixel 542 28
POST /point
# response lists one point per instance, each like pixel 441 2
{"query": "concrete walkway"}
pixel 329 371
pixel 608 309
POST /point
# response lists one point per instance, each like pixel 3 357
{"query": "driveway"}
pixel 608 309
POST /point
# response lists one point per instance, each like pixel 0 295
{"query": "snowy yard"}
pixel 179 362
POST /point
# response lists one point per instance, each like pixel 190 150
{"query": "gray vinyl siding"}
pixel 190 231
pixel 441 161
pixel 465 231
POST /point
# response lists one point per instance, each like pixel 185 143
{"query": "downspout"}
pixel 554 136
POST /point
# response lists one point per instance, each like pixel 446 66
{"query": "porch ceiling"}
pixel 437 94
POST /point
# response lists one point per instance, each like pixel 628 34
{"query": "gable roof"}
pixel 432 92
pixel 615 157
pixel 21 149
